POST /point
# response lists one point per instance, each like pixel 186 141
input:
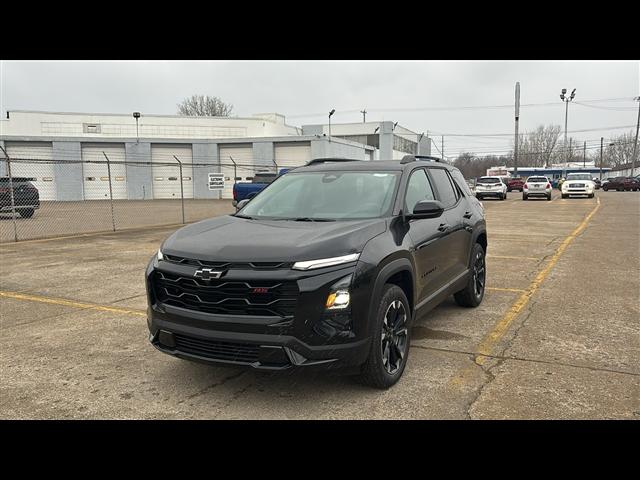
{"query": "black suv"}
pixel 26 198
pixel 327 266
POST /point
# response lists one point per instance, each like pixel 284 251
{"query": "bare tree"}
pixel 621 152
pixel 538 148
pixel 204 106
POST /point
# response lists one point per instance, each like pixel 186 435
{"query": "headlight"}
pixel 159 255
pixel 339 296
pixel 325 262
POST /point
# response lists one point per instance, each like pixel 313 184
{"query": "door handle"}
pixel 467 215
pixel 443 227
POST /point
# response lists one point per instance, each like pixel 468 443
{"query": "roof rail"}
pixel 413 158
pixel 324 160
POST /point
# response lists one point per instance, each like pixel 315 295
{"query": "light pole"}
pixel 364 115
pixel 330 114
pixel 136 115
pixel 515 148
pixel 566 100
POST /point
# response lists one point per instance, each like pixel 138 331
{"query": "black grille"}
pixel 227 265
pixel 264 298
pixel 231 351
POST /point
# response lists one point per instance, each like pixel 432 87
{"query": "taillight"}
pixel 4 190
pixel 548 185
pixel 526 186
pixel 234 192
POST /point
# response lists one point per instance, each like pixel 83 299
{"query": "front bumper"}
pixel 309 338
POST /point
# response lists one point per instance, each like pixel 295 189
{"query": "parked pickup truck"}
pixel 250 190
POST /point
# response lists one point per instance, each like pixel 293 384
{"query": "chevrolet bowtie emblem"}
pixel 207 274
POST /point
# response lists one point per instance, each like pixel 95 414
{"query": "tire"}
pixel 27 212
pixel 479 197
pixel 549 198
pixel 472 294
pixel 563 195
pixel 605 189
pixel 525 196
pixel 592 195
pixel 377 371
pixel 503 197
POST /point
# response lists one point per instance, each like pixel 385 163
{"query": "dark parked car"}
pixel 26 197
pixel 622 184
pixel 258 183
pixel 328 267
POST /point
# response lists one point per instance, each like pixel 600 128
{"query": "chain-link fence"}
pixel 44 197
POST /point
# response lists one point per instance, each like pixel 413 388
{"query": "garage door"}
pixel 289 155
pixel 243 156
pixel 39 169
pixel 166 173
pixel 96 175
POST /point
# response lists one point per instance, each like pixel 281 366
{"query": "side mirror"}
pixel 427 209
pixel 242 203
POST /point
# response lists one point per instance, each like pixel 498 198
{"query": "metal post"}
pixel 181 187
pixel 113 220
pixel 635 145
pixel 13 202
pixel 601 145
pixel 235 171
pixel 515 148
pixel 274 162
pixel 570 152
pixel 566 114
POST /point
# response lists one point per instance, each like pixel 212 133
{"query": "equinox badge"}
pixel 207 274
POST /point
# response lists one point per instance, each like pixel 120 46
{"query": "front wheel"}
pixel 525 196
pixel 549 197
pixel 472 295
pixel 390 340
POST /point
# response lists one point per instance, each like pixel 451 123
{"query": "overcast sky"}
pixel 304 91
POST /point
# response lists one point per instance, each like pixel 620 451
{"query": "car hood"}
pixel 233 239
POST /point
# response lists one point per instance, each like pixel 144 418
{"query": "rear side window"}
pixel 446 193
pixel 462 183
pixel 418 189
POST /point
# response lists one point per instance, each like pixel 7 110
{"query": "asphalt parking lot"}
pixel 557 336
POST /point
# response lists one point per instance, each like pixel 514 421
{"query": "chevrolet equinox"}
pixel 328 267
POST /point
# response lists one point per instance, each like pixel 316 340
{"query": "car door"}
pixel 429 242
pixel 456 218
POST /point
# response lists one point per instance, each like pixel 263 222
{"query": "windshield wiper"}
pixel 309 219
pixel 243 216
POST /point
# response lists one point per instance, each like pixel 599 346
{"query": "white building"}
pixel 70 155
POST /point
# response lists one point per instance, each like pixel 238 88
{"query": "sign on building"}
pixel 216 181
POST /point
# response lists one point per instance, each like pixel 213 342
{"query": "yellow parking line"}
pixel 486 346
pixel 70 303
pixel 512 258
pixel 497 289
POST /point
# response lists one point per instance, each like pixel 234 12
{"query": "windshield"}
pixel 489 180
pixel 578 176
pixel 325 196
pixel 537 179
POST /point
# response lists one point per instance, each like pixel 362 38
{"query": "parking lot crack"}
pixel 216 384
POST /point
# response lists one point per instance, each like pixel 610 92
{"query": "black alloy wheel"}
pixel 393 341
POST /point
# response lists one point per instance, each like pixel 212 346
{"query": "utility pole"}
pixel 442 151
pixel 515 148
pixel 635 145
pixel 364 115
pixel 601 145
pixel 584 155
